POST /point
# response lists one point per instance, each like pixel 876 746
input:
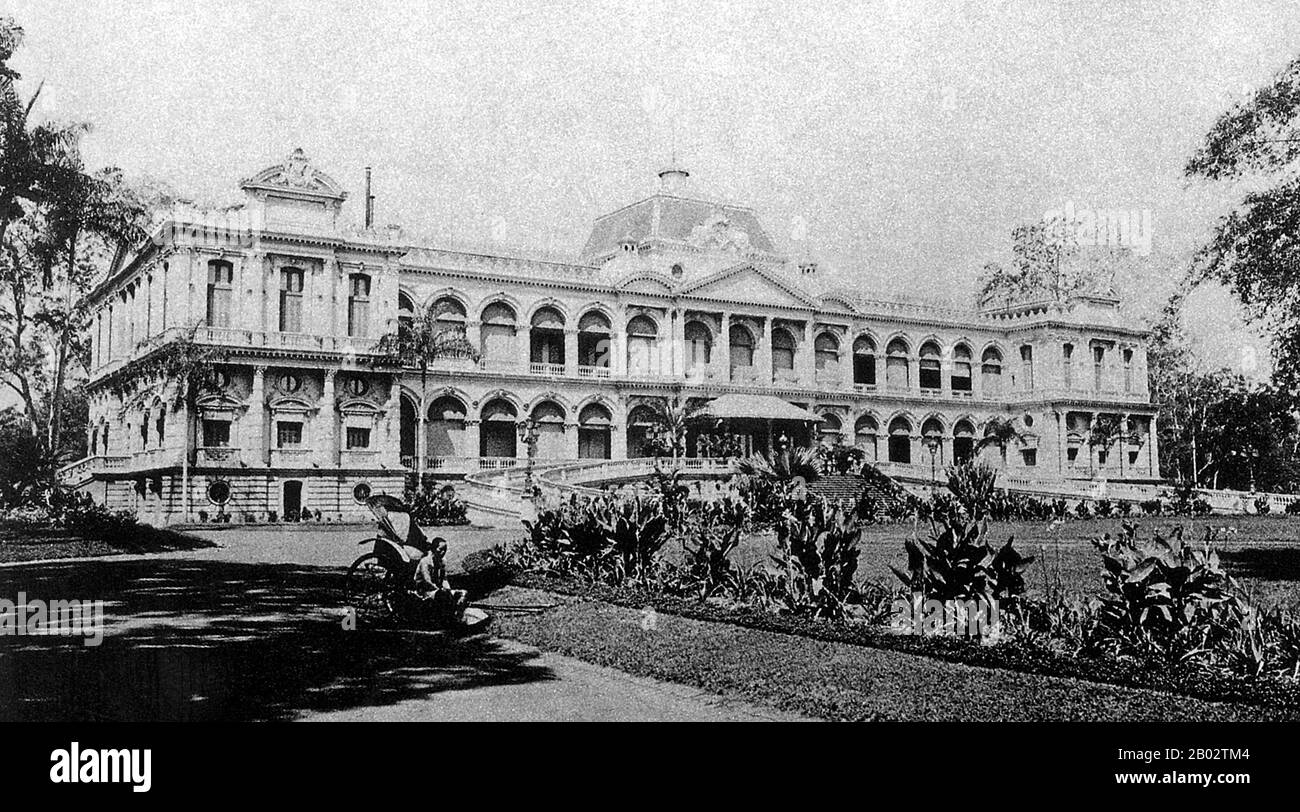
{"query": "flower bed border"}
pixel 1017 656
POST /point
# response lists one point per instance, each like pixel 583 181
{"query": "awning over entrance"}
pixel 754 407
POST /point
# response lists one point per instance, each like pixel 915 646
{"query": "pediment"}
pixel 748 284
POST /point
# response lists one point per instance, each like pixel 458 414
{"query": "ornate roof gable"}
pixel 750 282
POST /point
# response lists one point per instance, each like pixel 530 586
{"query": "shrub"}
pixel 434 506
pixel 1262 505
pixel 1292 508
pixel 972 485
pixel 816 559
pixel 958 564
pixel 1152 507
pixel 1164 597
pixel 1105 508
pixel 1082 510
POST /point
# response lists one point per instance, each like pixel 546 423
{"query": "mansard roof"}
pixel 687 221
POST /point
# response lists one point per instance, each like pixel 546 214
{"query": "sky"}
pixel 896 142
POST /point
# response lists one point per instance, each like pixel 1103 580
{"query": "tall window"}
pixel 291 300
pixel 1026 367
pixel 1128 371
pixel 782 350
pixel 160 425
pixel 930 375
pixel 358 305
pixel 699 347
pixel 864 361
pixel 897 368
pixel 220 289
pixel 741 342
pixel 642 346
pixel 961 368
pixel 1098 365
pixel 405 310
pixel 1067 364
pixel 991 372
pixel 827 350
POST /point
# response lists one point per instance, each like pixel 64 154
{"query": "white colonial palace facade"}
pixel 672 299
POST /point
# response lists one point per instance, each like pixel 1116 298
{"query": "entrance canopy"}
pixel 754 407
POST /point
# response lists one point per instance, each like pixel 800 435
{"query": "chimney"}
pixel 370 202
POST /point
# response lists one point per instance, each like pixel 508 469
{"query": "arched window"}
pixel 930 374
pixel 444 428
pixel 991 372
pixel 897 367
pixel 546 339
pixel 963 441
pixel 741 342
pixel 642 346
pixel 1026 367
pixel 449 315
pixel 827 351
pixel 699 346
pixel 594 425
pixel 829 431
pixel 864 361
pixel 900 440
pixel 221 276
pixel 865 431
pixel 932 435
pixel 497 333
pixel 498 429
pixel 593 340
pixel 405 310
pixel 358 305
pixel 640 421
pixel 548 416
pixel 782 350
pixel 961 368
pixel 291 281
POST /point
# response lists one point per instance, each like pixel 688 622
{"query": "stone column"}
pixel 571 438
pixel 805 366
pixel 763 352
pixel 1061 445
pixel 329 413
pixel 523 346
pixel 1153 448
pixel 618 341
pixel 571 352
pixel 723 348
pixel 677 353
pixel 474 335
pixel 471 438
pixel 618 431
pixel 254 440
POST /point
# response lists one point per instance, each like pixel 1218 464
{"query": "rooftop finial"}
pixel 672 177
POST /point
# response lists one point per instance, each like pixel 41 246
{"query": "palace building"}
pixel 673 299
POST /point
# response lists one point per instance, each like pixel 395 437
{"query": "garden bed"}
pixel 1016 656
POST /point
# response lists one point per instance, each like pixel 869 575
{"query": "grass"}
pixel 831 679
pixel 1261 552
pixel 27 543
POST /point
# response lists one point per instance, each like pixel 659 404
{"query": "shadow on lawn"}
pixel 205 640
pixel 1263 563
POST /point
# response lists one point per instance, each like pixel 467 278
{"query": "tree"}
pixel 419 343
pixel 188 368
pixel 1000 432
pixel 671 419
pixel 1104 430
pixel 60 226
pixel 1255 248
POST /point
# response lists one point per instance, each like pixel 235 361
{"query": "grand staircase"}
pixel 849 488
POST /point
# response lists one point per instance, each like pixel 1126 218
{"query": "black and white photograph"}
pixel 933 364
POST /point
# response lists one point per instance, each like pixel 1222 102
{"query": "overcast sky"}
pixel 910 136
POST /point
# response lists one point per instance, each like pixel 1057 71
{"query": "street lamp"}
pixel 932 443
pixel 1249 456
pixel 528 436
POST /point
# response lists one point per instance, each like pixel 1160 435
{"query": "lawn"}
pixel 26 543
pixel 1262 552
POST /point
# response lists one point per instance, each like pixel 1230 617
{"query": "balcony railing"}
pixel 549 370
pixel 593 372
pixel 221 456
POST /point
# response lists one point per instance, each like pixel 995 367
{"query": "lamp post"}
pixel 528 436
pixel 932 445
